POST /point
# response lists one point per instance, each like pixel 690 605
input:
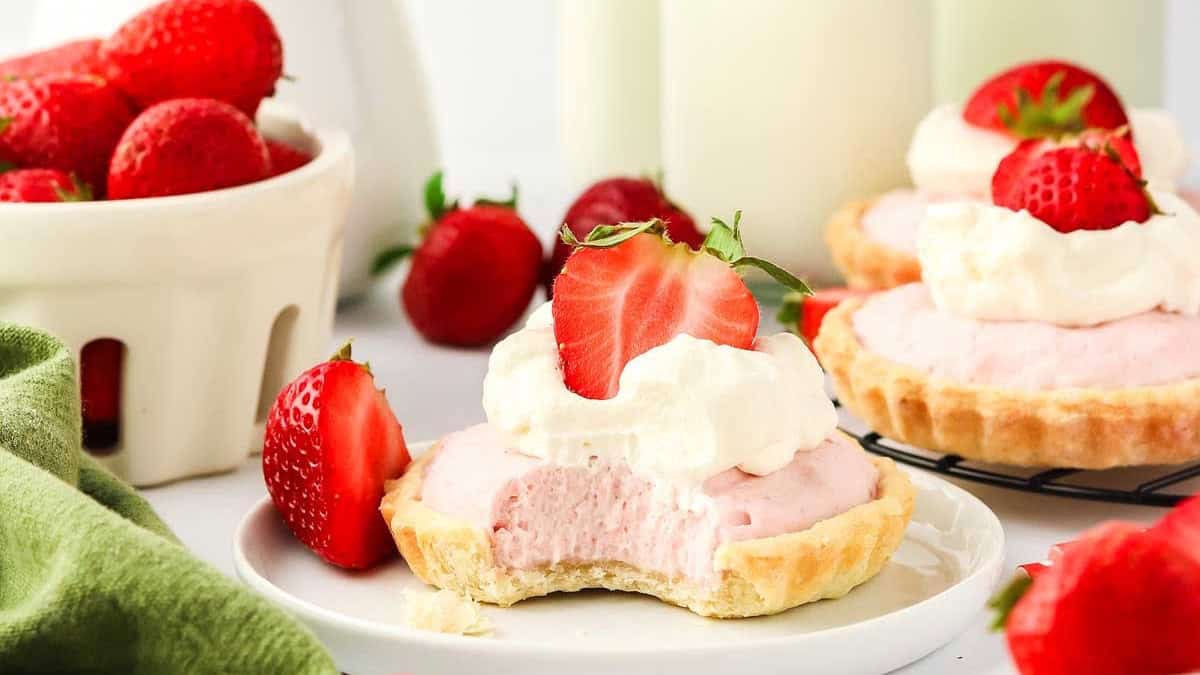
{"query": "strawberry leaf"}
pixel 435 198
pixel 387 258
pixel 724 241
pixel 79 192
pixel 789 311
pixel 1049 115
pixel 1004 601
pixel 4 123
pixel 776 272
pixel 6 166
pixel 607 236
pixel 510 203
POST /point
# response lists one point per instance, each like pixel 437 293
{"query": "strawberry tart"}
pixel 956 148
pixel 1055 326
pixel 641 438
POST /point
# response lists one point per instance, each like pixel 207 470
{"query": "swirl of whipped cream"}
pixel 992 263
pixel 685 411
pixel 948 156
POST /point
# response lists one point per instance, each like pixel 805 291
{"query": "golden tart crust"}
pixel 864 262
pixel 1075 427
pixel 754 577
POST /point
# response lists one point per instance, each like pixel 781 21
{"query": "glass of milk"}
pixel 1120 39
pixel 787 109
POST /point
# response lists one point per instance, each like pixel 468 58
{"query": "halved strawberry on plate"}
pixel 628 288
pixel 331 443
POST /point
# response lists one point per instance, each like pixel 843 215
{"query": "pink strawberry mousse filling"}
pixel 538 514
pixel 1153 348
pixel 894 218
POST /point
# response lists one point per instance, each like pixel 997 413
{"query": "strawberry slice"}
pixel 331 443
pixel 1045 98
pixel 803 314
pixel 1120 599
pixel 627 289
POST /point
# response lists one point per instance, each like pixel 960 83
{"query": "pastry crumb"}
pixel 445 612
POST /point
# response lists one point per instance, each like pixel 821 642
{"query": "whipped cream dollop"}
pixel 685 411
pixel 988 262
pixel 948 156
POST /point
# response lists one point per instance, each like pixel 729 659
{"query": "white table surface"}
pixel 435 390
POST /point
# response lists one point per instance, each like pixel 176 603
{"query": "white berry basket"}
pixel 219 298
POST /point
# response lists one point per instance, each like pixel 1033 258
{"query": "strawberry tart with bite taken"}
pixel 1056 326
pixel 641 438
pixel 956 149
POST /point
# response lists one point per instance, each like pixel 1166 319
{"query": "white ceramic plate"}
pixel 938 580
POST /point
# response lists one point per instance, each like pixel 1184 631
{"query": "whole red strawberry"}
pixel 1118 600
pixel 65 122
pixel 627 289
pixel 1045 98
pixel 473 275
pixel 1089 182
pixel 100 366
pixel 331 443
pixel 223 49
pixel 184 146
pixel 804 314
pixel 81 57
pixel 621 200
pixel 41 185
pixel 285 158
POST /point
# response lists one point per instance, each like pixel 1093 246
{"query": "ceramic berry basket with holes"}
pixel 219 299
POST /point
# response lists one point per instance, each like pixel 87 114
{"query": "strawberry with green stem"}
pixel 1045 99
pixel 473 274
pixel 628 288
pixel 1120 599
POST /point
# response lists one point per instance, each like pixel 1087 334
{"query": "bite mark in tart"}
pixel 640 438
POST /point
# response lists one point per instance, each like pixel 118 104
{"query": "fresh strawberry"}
pixel 1045 98
pixel 1088 182
pixel 474 273
pixel 803 314
pixel 223 49
pixel 184 146
pixel 331 443
pixel 285 158
pixel 81 57
pixel 1118 600
pixel 41 185
pixel 65 122
pixel 627 289
pixel 621 200
pixel 100 364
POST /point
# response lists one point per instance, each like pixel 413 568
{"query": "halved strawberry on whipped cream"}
pixel 1056 325
pixel 956 149
pixel 640 437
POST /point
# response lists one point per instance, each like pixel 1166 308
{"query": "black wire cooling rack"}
pixel 1149 486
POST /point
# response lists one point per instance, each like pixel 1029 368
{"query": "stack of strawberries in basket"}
pixel 163 106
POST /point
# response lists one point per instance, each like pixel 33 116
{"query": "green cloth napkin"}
pixel 91 581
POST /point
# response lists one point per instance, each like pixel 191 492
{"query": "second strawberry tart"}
pixel 956 148
pixel 1057 326
pixel 641 438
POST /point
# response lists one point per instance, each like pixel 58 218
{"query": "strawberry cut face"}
pixel 611 305
pixel 331 443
